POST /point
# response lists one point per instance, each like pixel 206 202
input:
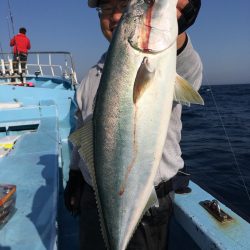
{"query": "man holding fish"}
pixel 126 148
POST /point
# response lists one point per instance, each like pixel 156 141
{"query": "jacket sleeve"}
pixel 85 95
pixel 28 44
pixel 12 42
pixel 189 65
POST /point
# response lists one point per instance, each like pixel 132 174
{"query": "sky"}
pixel 221 34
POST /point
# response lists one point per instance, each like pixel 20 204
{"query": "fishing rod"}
pixel 227 137
pixel 11 18
pixel 1 48
pixel 10 23
pixel 8 26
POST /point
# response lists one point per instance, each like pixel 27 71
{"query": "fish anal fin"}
pixel 74 138
pixel 144 77
pixel 185 94
pixel 84 137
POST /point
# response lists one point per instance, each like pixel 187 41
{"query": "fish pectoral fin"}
pixel 152 201
pixel 83 139
pixel 184 93
pixel 144 77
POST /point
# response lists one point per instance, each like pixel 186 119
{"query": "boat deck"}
pixel 41 119
pixel 32 166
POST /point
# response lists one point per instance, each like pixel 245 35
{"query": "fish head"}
pixel 155 24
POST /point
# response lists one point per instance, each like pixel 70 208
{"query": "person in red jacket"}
pixel 21 45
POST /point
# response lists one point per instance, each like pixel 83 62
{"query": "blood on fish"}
pixel 145 33
pixel 135 149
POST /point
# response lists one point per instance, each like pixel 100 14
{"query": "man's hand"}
pixel 73 192
pixel 187 11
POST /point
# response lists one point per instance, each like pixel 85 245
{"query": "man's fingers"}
pixel 181 4
pixel 72 201
pixel 178 13
pixel 187 11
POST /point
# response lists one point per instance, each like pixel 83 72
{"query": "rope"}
pixel 228 139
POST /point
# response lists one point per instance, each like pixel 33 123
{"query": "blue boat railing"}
pixel 52 63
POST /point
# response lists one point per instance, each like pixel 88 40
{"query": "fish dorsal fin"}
pixel 184 93
pixel 83 139
pixel 144 77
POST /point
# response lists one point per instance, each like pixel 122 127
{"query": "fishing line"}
pixel 228 139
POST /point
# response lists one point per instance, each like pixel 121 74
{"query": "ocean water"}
pixel 216 144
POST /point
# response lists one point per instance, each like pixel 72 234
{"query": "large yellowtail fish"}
pixel 123 142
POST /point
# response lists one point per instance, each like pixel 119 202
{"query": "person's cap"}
pixel 93 3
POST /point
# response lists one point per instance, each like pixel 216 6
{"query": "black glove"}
pixel 73 192
pixel 189 14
